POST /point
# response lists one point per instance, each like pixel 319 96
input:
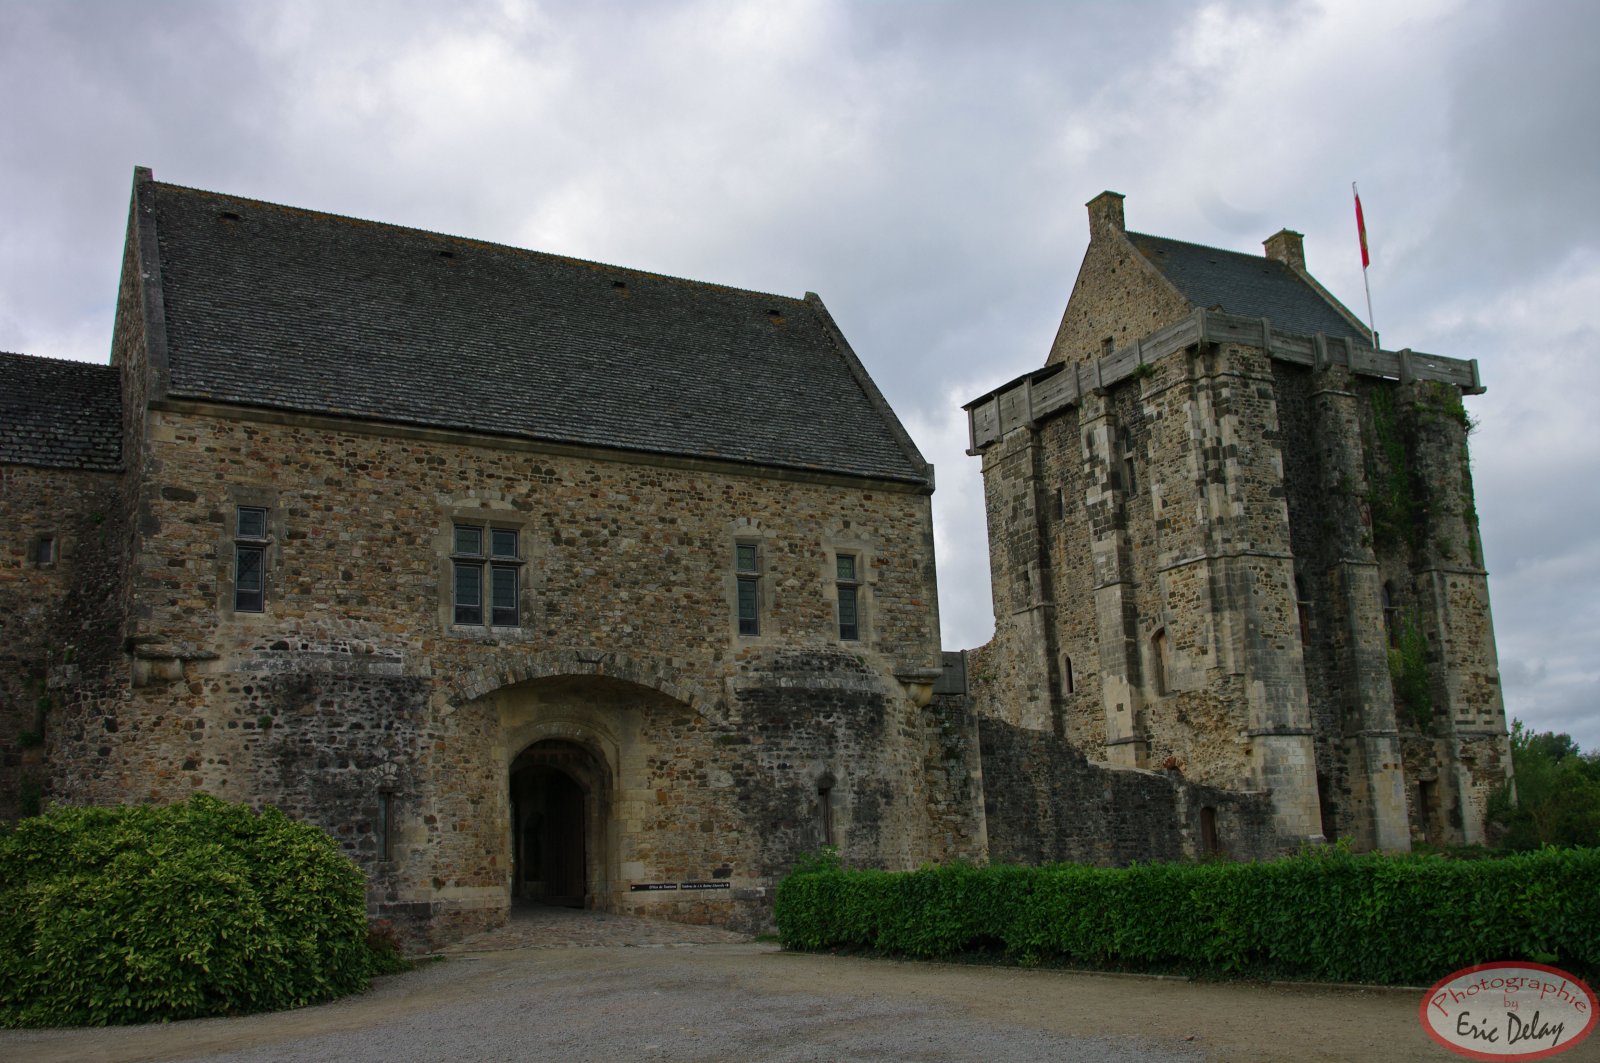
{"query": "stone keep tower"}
pixel 1229 537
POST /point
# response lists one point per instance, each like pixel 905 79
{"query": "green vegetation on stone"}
pixel 1325 914
pixel 145 913
pixel 1408 668
pixel 1395 516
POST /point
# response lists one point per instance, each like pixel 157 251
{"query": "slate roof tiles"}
pixel 59 414
pixel 1250 285
pixel 286 308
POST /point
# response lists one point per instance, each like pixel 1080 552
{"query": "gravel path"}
pixel 638 997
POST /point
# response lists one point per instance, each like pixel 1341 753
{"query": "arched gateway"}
pixel 560 799
pixel 580 755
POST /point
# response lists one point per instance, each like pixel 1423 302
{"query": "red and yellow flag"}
pixel 1361 229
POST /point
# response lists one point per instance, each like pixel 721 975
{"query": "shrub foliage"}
pixel 139 914
pixel 1555 797
pixel 1325 915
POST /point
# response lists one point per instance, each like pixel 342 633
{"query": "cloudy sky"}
pixel 921 165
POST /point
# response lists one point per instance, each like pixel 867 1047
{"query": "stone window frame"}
pixel 747 577
pixel 827 810
pixel 488 514
pixel 851 542
pixel 487 562
pixel 250 541
pixel 44 549
pixel 270 545
pixel 1160 662
pixel 386 827
pixel 747 531
pixel 847 588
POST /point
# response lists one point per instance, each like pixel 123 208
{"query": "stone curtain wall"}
pixel 355 668
pixel 56 619
pixel 1045 802
pixel 954 771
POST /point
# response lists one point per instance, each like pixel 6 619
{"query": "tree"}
pixel 1555 797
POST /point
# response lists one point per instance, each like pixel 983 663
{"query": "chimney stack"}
pixel 1288 247
pixel 1105 215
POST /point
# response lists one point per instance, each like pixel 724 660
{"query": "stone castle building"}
pixel 1231 538
pixel 527 576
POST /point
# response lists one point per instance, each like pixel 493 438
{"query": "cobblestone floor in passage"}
pixel 537 926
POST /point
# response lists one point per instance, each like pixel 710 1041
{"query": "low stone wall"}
pixel 1045 802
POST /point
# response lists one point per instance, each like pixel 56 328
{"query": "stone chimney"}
pixel 1288 247
pixel 1105 216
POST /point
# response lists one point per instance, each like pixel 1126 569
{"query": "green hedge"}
pixel 1326 915
pixel 135 914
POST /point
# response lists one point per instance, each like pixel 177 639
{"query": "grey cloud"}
pixel 923 166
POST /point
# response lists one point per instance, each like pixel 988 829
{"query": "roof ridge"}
pixel 476 242
pixel 864 382
pixel 1205 247
pixel 58 361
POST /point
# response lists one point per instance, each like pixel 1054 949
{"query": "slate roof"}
pixel 60 414
pixel 1250 285
pixel 292 309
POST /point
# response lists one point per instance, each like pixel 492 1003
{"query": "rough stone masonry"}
pixel 526 576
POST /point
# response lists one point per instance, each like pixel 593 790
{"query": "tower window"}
pixel 747 569
pixel 386 825
pixel 1391 615
pixel 250 559
pixel 1159 662
pixel 849 588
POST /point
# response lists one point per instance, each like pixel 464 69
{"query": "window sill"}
pixel 489 636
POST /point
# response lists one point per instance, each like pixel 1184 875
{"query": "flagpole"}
pixel 1361 231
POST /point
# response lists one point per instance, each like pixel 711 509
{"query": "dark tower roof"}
pixel 1248 285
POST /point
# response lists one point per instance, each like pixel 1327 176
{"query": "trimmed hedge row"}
pixel 146 913
pixel 1325 915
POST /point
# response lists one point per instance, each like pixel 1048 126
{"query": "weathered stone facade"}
pixel 622 740
pixel 60 557
pixel 528 577
pixel 1230 539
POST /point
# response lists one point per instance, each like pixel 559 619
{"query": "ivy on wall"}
pixel 1395 511
pixel 1408 670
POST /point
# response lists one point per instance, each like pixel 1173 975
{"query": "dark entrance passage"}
pixel 555 789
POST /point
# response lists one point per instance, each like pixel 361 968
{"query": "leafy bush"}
pixel 1327 914
pixel 388 954
pixel 134 914
pixel 1555 797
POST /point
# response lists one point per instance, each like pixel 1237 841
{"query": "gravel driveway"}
pixel 639 991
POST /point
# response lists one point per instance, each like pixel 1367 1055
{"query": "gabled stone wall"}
pixel 1117 295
